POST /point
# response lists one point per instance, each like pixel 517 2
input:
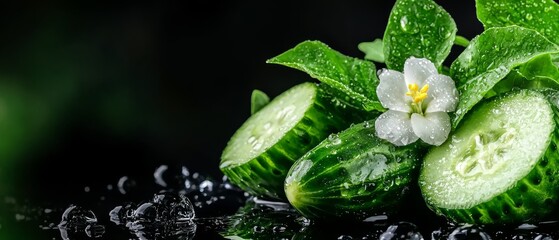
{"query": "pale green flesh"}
pixel 267 126
pixel 497 146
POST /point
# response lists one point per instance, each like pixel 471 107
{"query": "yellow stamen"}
pixel 425 88
pixel 417 96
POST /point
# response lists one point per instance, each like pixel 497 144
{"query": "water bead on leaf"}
pixel 489 58
pixel 418 28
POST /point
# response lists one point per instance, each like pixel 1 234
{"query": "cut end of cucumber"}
pixel 267 126
pixel 495 147
pixel 292 191
pixel 292 186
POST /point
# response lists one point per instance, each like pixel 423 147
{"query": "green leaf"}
pixel 489 58
pixel 541 15
pixel 373 50
pixel 555 59
pixel 418 28
pixel 351 76
pixel 540 67
pixel 258 100
pixel 538 73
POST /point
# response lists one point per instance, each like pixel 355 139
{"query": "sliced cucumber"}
pixel 352 175
pixel 259 154
pixel 501 164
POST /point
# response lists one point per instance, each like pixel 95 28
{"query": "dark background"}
pixel 91 91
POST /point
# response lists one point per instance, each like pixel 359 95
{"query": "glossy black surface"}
pixel 111 91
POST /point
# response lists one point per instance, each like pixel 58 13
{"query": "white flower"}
pixel 418 101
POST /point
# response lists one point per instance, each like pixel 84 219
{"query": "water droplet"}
pixel 279 229
pixel 95 231
pixel 125 184
pixel 158 175
pixel 543 237
pixel 428 6
pixel 206 186
pixel 468 232
pixel 527 226
pixel 120 215
pixel 75 219
pixel 189 186
pixel 404 23
pixel 258 229
pixel 402 230
pixel 146 212
pixel 303 221
pixel 378 218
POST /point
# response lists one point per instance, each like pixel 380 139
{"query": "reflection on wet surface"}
pixel 182 205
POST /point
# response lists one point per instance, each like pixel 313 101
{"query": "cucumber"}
pixel 261 151
pixel 352 175
pixel 501 164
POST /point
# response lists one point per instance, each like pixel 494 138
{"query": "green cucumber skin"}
pixel 533 198
pixel 264 175
pixel 325 190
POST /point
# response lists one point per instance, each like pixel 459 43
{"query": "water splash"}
pixel 211 206
pixel 76 220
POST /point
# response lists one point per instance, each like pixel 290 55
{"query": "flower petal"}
pixel 442 94
pixel 392 89
pixel 417 70
pixel 433 128
pixel 395 127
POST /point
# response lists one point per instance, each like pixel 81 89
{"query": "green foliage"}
pixel 418 28
pixel 489 58
pixel 541 15
pixel 355 78
pixel 373 50
pixel 538 73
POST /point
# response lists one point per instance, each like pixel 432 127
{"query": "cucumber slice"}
pixel 259 154
pixel 500 166
pixel 352 175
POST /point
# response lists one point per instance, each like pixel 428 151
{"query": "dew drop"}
pixel 258 229
pixel 158 175
pixel 95 231
pixel 468 232
pixel 543 237
pixel 120 215
pixel 404 23
pixel 75 219
pixel 125 184
pixel 402 230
